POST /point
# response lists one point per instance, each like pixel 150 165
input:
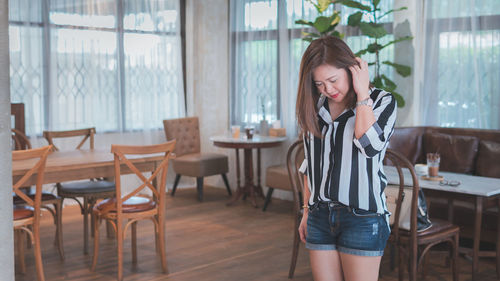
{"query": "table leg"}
pixel 239 189
pixel 477 236
pixel 258 188
pixel 249 186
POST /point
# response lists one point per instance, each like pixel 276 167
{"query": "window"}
pixel 115 65
pixel 266 49
pixel 461 85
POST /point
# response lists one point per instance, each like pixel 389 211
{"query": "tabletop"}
pixel 243 142
pixel 469 184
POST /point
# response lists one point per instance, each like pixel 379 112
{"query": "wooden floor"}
pixel 205 241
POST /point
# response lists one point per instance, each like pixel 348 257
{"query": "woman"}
pixel 347 125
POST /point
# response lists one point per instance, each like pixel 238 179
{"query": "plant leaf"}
pixel 354 4
pixel 373 30
pixel 389 84
pixel 402 70
pixel 323 5
pixel 322 24
pixel 373 47
pixel 398 40
pixel 310 34
pixel 361 52
pixel 337 34
pixel 355 19
pixel 310 23
pixel 399 99
pixel 377 82
pixel 375 3
pixel 391 11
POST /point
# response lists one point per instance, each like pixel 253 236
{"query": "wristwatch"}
pixel 368 102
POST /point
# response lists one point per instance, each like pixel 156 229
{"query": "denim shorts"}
pixel 332 226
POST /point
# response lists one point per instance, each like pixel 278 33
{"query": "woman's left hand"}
pixel 360 79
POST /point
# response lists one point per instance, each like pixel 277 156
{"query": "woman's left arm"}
pixel 374 124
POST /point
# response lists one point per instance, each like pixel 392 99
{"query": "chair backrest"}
pixel 400 162
pixel 87 134
pixel 38 168
pixel 187 133
pixel 120 157
pixel 19 140
pixel 294 158
pixel 17 111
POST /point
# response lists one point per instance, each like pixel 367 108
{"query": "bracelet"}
pixel 305 206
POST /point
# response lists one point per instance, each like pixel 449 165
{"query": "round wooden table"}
pixel 257 142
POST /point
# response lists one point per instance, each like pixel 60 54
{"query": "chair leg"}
pixel 109 230
pixel 224 177
pixel 161 240
pixel 59 233
pixel 199 187
pixel 96 243
pixel 38 254
pixel 134 243
pixel 454 266
pixel 401 265
pixel 268 198
pixel 119 238
pixel 20 251
pixel 85 225
pixel 176 182
pixel 295 253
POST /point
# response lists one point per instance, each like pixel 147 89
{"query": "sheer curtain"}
pixel 115 65
pixel 461 80
pixel 266 48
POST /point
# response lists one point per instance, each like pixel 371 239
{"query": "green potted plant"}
pixel 323 25
pixel 367 18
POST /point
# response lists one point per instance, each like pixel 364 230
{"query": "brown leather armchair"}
pixel 190 161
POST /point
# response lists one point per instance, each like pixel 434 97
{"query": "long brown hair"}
pixel 326 50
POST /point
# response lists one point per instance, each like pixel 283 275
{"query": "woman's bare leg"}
pixel 360 268
pixel 326 265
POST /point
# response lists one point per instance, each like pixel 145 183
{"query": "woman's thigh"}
pixel 326 265
pixel 360 268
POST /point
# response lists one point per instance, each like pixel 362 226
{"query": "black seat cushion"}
pixel 87 187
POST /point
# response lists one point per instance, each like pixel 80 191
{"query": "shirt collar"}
pixel 324 112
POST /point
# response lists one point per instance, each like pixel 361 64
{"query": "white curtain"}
pixel 461 58
pixel 115 65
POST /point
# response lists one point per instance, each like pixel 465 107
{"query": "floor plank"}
pixel 204 241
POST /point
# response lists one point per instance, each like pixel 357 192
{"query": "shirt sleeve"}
pixel 375 139
pixel 303 167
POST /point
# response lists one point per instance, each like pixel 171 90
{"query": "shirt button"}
pixel 331 204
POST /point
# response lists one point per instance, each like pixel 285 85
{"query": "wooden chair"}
pixel 91 190
pixel 294 158
pixel 27 216
pixel 133 208
pixel 190 161
pixel 412 244
pixel 21 142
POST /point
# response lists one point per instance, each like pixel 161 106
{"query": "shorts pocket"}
pixel 363 213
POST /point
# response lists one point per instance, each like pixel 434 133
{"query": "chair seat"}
pixel 201 164
pixel 277 177
pixel 439 228
pixel 133 205
pixel 23 212
pixel 85 187
pixel 46 196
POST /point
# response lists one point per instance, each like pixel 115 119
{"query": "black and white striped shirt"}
pixel 341 168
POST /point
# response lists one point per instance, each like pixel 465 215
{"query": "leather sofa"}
pixel 469 151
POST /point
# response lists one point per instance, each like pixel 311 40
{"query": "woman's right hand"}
pixel 303 226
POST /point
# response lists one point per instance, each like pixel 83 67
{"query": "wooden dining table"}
pixel 83 164
pixel 482 192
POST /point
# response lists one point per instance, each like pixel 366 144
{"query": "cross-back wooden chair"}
pixel 91 190
pixel 413 245
pixel 294 158
pixel 132 206
pixel 21 142
pixel 28 214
